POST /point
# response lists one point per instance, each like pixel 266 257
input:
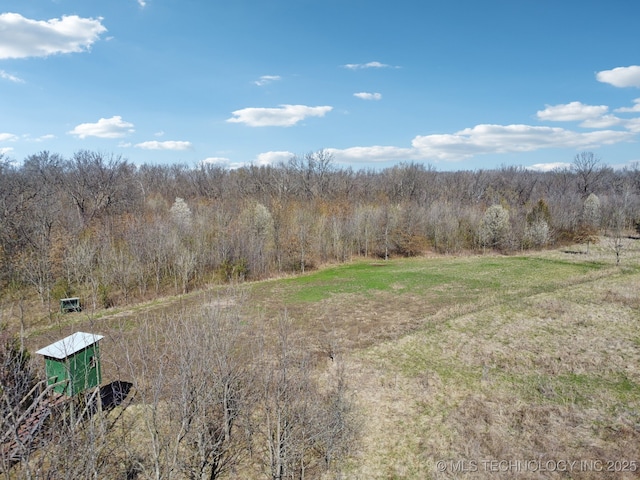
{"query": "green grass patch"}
pixel 584 390
pixel 455 279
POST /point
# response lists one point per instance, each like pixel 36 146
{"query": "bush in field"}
pixel 495 228
pixel 537 234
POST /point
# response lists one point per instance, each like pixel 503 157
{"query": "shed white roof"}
pixel 70 345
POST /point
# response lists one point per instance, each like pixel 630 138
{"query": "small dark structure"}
pixel 73 363
pixel 70 305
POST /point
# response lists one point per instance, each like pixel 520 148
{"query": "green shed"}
pixel 73 362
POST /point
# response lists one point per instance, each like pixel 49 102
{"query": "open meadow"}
pixel 478 361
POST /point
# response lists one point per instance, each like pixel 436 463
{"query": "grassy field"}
pixel 472 367
pixel 475 362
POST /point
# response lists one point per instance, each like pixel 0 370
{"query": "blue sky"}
pixel 456 84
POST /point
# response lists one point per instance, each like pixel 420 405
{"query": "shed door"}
pixel 57 371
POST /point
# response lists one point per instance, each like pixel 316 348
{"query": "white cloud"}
pixel 591 116
pixel 549 167
pixel 22 37
pixel 621 76
pixel 360 66
pixel 272 158
pixel 215 161
pixel 265 79
pixel 8 137
pixel 368 96
pixel 5 150
pixel 570 112
pixel 44 138
pixel 633 125
pixel 283 116
pixel 634 109
pixel 113 127
pixel 483 139
pixel 605 121
pixel 376 153
pixel 142 3
pixel 159 134
pixel 167 145
pixel 12 78
pixel 222 162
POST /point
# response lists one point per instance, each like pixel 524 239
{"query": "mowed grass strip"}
pixel 366 302
pixel 451 280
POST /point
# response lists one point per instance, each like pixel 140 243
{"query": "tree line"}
pixel 97 226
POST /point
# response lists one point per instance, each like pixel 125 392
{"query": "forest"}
pixel 98 227
pixel 231 384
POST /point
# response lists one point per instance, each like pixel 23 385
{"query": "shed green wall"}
pixel 78 370
pixel 56 372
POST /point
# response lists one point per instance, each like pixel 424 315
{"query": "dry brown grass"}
pixel 555 377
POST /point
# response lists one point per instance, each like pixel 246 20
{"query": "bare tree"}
pixel 443 227
pixel 617 220
pixel 590 172
pixel 193 375
pixel 257 239
pixel 118 268
pixel 305 428
pixel 97 183
pixel 80 443
pixel 156 250
pixel 40 206
pixel 301 239
pixel 148 362
pixel 312 173
pixel 284 394
pixel 363 229
pixel 215 395
pixel 17 375
pixel 387 222
pixel 409 235
pixel 24 411
pixel 339 426
pixel 81 261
